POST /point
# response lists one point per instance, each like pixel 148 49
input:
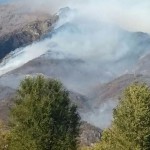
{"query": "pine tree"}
pixel 130 128
pixel 43 117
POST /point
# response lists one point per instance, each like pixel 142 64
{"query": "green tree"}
pixel 43 117
pixel 130 128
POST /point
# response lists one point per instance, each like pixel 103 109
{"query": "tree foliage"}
pixel 4 137
pixel 130 128
pixel 43 117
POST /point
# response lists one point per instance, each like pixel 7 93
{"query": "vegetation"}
pixel 131 125
pixel 43 117
pixel 85 148
pixel 4 136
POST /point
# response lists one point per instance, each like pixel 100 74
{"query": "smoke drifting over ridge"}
pixel 94 32
pixel 130 14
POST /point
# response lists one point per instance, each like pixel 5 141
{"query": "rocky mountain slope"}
pixel 143 65
pixel 89 134
pixel 113 90
pixel 19 28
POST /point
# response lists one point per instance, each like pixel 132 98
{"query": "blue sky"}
pixel 4 1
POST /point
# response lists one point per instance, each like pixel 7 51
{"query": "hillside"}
pixel 95 78
pixel 19 28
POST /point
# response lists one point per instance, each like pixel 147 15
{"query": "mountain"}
pixel 94 85
pixel 143 65
pixel 19 28
pixel 75 77
pixel 50 68
pixel 113 90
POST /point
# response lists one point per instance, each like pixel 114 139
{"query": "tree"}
pixel 43 117
pixel 131 122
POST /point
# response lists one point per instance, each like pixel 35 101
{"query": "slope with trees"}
pixel 43 117
pixel 130 128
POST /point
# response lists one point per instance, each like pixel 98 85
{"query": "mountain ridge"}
pixel 19 29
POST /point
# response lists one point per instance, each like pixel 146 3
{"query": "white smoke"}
pixel 129 14
pixel 23 55
pixel 102 116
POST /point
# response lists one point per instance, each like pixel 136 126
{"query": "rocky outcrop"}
pixel 89 134
pixel 20 29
